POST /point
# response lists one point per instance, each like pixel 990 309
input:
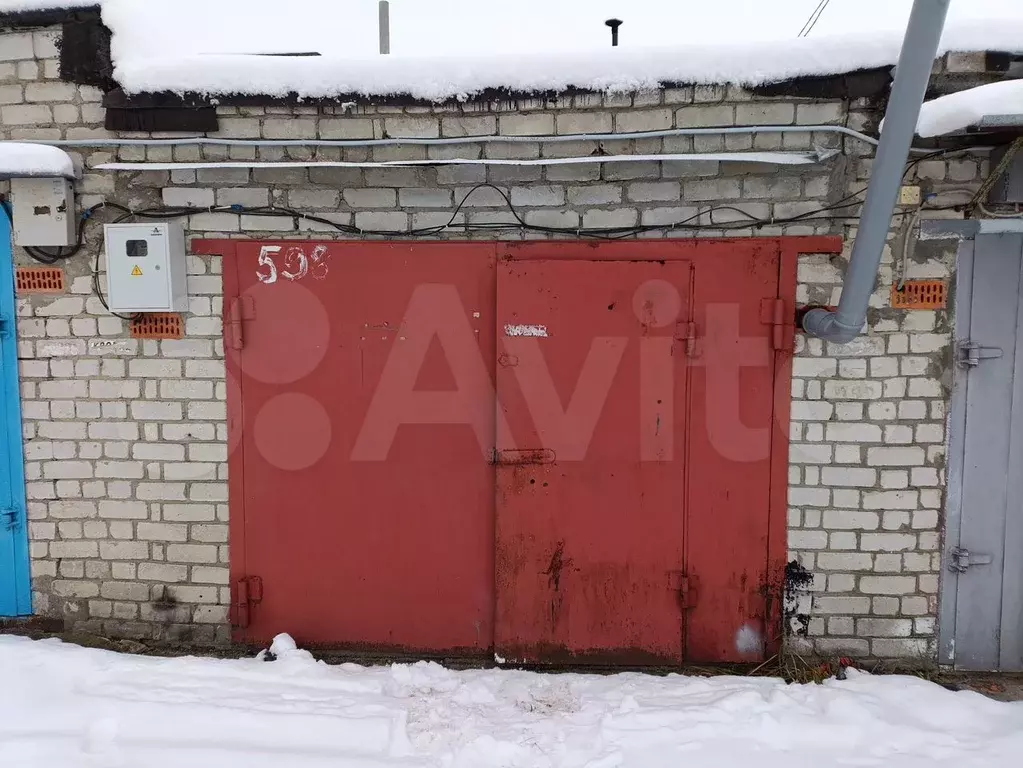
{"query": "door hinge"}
pixel 777 314
pixel 9 518
pixel 246 593
pixel 685 587
pixel 961 558
pixel 971 353
pixel 239 310
pixel 687 333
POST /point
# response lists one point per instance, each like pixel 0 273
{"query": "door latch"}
pixel 961 558
pixel 971 353
pixel 9 517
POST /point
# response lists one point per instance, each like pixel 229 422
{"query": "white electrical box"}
pixel 44 212
pixel 146 267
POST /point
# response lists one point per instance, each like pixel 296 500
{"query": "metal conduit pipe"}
pixel 213 141
pixel 919 48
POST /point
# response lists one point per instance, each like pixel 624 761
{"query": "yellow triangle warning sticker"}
pixel 136 272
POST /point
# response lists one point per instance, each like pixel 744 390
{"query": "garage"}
pixel 549 453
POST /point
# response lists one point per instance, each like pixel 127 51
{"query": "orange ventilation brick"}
pixel 39 280
pixel 158 325
pixel 920 294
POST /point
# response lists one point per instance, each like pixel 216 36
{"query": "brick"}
pixel 16 46
pixel 189 197
pixel 424 198
pixel 619 217
pixel 767 113
pixel 850 519
pixel 884 627
pixel 711 189
pixel 26 114
pixel 288 128
pixel 124 550
pixel 210 575
pixel 484 125
pixel 210 614
pixel 887 542
pixel 584 122
pixel 852 390
pixel 895 457
pixel 809 497
pixel 537 124
pixel 50 92
pixel 636 120
pixel 842 605
pixel 844 561
pixel 123 510
pixel 808 539
pixel 346 128
pixel 192 553
pixel 652 191
pixel 189 512
pixel 125 590
pixel 704 116
pixel 79 589
pixel 72 510
pixel 820 114
pixel 595 194
pixel 156 411
pixel 73 549
pixel 161 491
pixel 539 195
pixel 890 499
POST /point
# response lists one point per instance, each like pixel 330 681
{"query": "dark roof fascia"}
pixel 47 18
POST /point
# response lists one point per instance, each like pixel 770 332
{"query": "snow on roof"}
pixel 34 160
pixel 158 46
pixel 17 6
pixel 961 110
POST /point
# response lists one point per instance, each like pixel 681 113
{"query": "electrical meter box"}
pixel 146 267
pixel 44 212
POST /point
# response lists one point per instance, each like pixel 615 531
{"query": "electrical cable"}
pixel 830 212
pixel 814 18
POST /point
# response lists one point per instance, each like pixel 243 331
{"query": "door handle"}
pixel 522 456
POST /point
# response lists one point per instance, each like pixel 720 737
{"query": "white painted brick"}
pixel 888 585
pixel 850 432
pixel 887 542
pixel 843 519
pixel 537 124
pixel 895 457
pixel 906 499
pixel 852 390
pixel 192 553
pixel 844 561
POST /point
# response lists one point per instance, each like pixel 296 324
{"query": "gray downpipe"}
pixel 919 48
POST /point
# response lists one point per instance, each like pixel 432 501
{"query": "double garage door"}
pixel 549 453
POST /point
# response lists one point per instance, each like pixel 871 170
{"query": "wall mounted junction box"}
pixel 44 212
pixel 146 267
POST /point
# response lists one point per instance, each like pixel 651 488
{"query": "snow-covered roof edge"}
pixel 445 78
pixel 958 111
pixel 19 160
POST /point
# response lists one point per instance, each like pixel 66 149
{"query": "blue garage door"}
pixel 15 591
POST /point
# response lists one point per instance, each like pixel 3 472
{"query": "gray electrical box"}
pixel 44 212
pixel 146 267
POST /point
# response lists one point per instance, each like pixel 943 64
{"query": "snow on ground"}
pixel 957 111
pixel 26 160
pixel 61 705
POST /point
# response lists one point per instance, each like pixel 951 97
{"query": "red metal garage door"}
pixel 638 429
pixel 590 473
pixel 363 503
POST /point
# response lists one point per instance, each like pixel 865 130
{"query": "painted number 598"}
pixel 295 264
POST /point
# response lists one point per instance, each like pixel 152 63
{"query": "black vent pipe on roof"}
pixel 614 24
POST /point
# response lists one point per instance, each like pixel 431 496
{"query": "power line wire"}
pixel 814 18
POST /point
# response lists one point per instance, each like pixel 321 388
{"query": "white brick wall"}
pixel 126 446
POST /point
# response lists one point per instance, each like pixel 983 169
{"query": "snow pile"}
pixel 27 160
pixel 957 111
pixel 158 46
pixel 68 706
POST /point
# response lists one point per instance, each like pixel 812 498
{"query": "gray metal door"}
pixel 982 591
